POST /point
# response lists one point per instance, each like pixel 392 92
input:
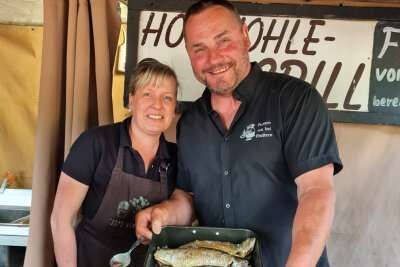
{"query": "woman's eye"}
pixel 168 98
pixel 146 94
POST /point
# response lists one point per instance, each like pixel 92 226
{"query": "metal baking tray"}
pixel 175 236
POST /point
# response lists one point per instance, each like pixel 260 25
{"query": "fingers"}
pixel 142 225
pixel 159 217
pixel 156 226
pixel 149 221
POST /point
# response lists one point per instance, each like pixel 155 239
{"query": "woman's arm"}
pixel 69 197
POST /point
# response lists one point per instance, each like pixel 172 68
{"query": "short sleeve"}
pixel 83 158
pixel 309 137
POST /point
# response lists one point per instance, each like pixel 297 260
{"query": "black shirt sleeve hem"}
pixel 318 163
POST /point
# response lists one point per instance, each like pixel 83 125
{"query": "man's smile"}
pixel 219 70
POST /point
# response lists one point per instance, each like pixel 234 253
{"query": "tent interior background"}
pixel 366 229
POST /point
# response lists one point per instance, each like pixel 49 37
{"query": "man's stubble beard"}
pixel 238 76
pixel 220 88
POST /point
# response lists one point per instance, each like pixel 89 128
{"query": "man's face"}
pixel 217 45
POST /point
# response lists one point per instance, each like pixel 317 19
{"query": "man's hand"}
pixel 149 221
pixel 178 210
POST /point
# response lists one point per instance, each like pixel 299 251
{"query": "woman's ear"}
pixel 130 102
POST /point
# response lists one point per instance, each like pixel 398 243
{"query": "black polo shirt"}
pixel 93 155
pixel 244 177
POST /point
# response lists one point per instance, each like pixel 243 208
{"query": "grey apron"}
pixel 111 230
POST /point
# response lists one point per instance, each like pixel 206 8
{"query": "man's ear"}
pixel 246 35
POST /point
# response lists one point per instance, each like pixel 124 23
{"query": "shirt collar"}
pixel 243 92
pixel 125 139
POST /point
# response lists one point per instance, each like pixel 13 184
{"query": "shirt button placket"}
pixel 226 181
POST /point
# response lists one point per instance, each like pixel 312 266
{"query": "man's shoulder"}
pixel 284 81
pixel 284 87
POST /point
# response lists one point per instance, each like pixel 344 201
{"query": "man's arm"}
pixel 314 216
pixel 177 210
pixel 69 197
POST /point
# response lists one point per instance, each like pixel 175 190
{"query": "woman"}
pixel 116 170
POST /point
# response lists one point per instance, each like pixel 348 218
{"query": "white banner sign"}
pixel 333 55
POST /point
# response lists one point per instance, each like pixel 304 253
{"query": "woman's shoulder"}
pixel 97 140
pixel 103 132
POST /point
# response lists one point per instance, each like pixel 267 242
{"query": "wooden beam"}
pixel 355 3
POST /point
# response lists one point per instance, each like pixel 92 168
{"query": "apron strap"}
pixel 120 160
pixel 163 170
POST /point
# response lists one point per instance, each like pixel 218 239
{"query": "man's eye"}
pixel 146 94
pixel 168 98
pixel 197 51
pixel 224 41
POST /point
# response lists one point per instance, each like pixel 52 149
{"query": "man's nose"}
pixel 213 55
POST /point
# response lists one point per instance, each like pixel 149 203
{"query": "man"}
pixel 256 151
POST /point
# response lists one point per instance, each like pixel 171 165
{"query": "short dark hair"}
pixel 202 5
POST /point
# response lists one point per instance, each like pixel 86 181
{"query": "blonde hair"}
pixel 153 72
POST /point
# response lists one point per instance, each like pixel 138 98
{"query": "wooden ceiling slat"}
pixel 356 3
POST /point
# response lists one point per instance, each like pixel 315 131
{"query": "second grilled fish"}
pixel 237 250
pixel 184 257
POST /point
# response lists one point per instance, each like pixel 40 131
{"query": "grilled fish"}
pixel 237 250
pixel 185 257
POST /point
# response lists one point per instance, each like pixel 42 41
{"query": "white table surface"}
pixel 17 199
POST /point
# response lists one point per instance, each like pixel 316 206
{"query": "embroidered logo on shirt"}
pixel 249 132
pixel 261 130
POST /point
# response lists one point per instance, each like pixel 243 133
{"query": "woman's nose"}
pixel 157 102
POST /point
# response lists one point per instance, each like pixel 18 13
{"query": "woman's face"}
pixel 153 107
